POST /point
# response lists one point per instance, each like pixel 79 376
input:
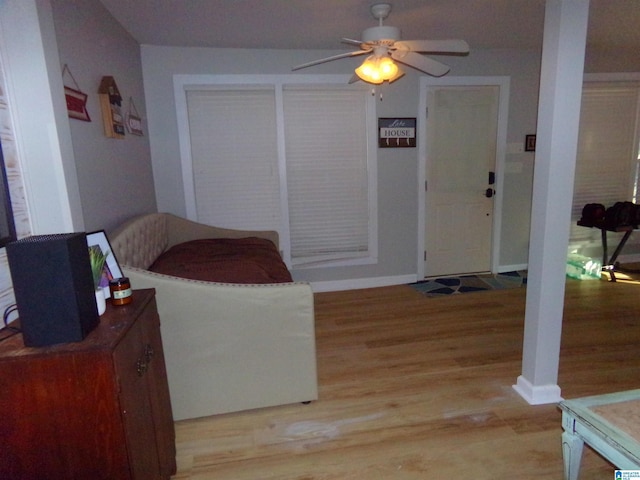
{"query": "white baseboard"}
pixel 537 394
pixel 512 268
pixel 358 283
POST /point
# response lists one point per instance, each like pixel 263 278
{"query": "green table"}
pixel 610 424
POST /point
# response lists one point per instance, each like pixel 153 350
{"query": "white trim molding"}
pixel 504 83
pixel 537 394
pixel 358 283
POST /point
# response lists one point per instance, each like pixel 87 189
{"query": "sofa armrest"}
pixel 234 347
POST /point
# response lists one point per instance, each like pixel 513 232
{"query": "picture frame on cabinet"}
pixel 7 222
pixel 111 267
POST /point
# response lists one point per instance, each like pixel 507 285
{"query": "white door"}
pixel 461 137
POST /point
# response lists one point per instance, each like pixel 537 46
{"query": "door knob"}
pixel 490 192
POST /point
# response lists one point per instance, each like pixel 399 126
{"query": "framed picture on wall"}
pixel 530 143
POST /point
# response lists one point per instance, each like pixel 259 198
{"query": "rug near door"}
pixel 470 283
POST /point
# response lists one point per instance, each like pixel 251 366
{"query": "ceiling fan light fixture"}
pixel 377 69
pixel 383 45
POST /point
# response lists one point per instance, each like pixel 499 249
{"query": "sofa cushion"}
pixel 226 260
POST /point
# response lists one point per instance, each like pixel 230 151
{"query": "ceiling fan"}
pixel 384 46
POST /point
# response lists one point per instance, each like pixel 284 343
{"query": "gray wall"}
pixel 397 168
pixel 114 175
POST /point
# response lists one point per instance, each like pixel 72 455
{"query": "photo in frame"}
pixel 111 267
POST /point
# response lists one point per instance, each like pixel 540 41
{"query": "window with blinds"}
pixel 326 173
pixel 607 158
pixel 287 157
pixel 234 158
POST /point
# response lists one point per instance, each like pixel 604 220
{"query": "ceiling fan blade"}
pixel 328 59
pixel 420 62
pixel 433 46
pixel 351 41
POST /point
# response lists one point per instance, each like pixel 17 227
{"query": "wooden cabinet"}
pixel 96 409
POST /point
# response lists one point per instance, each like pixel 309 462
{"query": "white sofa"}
pixel 228 347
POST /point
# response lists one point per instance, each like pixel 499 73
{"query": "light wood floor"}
pixel 413 387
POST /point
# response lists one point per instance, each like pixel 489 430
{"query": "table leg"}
pixel 620 246
pixel 572 446
pixel 606 264
pixel 610 263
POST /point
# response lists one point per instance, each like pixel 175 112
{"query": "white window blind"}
pixel 296 157
pixel 607 158
pixel 235 157
pixel 326 157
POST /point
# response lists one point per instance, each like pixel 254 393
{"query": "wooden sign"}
pixel 396 132
pixel 134 121
pixel 76 99
pixel 111 105
pixel 76 104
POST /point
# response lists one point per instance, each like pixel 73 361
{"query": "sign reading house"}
pixel 396 132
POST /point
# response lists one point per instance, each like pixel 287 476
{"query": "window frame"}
pixel 183 83
pixel 582 239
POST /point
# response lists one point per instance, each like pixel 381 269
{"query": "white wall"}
pixel 95 182
pixel 397 168
pixel 67 175
pixel 36 138
pixel 115 180
pixel 43 140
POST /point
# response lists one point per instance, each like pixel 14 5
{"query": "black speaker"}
pixel 53 286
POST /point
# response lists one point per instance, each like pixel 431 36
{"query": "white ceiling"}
pixel 320 24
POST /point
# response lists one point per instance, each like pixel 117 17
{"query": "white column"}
pixel 41 125
pixel 565 31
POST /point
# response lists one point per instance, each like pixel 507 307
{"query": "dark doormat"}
pixel 471 283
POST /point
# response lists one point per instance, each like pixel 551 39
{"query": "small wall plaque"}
pixel 134 120
pixel 111 104
pixel 530 143
pixel 76 99
pixel 396 132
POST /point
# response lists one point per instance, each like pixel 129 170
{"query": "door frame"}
pixel 503 82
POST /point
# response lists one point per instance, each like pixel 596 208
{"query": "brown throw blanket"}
pixel 226 260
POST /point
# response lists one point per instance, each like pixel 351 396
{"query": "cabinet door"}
pixel 131 364
pixel 159 391
pixel 61 417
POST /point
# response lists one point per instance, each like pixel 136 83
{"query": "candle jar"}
pixel 121 293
